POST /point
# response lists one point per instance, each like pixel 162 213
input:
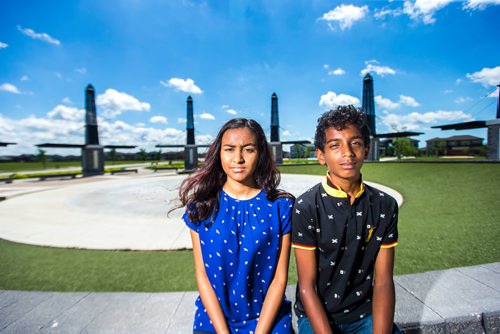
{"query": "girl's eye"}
pixel 250 150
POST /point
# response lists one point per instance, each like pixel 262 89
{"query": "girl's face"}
pixel 239 155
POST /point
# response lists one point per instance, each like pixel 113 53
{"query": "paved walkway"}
pixel 129 212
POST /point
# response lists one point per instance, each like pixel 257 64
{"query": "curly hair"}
pixel 199 191
pixel 340 118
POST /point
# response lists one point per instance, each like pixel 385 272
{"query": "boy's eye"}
pixel 356 143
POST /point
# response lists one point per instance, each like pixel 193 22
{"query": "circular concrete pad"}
pixel 120 212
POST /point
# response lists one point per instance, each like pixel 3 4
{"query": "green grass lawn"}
pixel 450 218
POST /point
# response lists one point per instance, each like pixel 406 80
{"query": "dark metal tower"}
pixel 369 103
pixel 275 123
pixel 498 103
pixel 91 131
pixel 190 122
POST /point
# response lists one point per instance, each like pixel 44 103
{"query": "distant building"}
pixel 302 151
pixel 387 146
pixel 455 145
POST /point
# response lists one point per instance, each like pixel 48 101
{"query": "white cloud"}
pixel 381 13
pixel 62 112
pixel 416 121
pixel 24 78
pixel 66 125
pixel 67 100
pixel 207 116
pixel 81 70
pixel 286 133
pixel 488 77
pixel 114 103
pixel 10 88
pixel 345 15
pixel 338 71
pixel 424 9
pixel 408 101
pixel 385 103
pixel 330 100
pixel 3 45
pixel 204 139
pixel 462 99
pixel 184 85
pixel 158 119
pixel 372 66
pixel 41 36
pixel 181 120
pixel 404 100
pixel 494 93
pixel 480 4
pixel 229 110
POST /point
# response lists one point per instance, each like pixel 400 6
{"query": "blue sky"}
pixel 433 62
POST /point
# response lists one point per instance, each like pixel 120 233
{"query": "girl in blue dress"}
pixel 240 230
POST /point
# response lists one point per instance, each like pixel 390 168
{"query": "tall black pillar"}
pixel 190 122
pixel 190 150
pixel 275 123
pixel 275 144
pixel 92 152
pixel 369 108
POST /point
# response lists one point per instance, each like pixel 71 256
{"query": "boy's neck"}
pixel 350 186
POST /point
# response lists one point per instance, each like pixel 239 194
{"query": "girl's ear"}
pixel 321 156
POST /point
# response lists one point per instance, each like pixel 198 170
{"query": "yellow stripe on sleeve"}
pixel 394 244
pixel 305 247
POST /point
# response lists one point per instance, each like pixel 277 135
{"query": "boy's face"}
pixel 344 152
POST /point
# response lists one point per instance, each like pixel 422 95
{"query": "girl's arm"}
pixel 276 291
pixel 207 294
pixel 307 271
pixel 383 292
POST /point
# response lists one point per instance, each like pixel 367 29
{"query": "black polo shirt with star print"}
pixel 346 239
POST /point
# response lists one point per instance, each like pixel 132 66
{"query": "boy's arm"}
pixel 384 299
pixel 207 294
pixel 307 271
pixel 276 291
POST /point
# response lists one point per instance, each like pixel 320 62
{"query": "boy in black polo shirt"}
pixel 344 233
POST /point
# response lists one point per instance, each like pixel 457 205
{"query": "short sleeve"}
pixel 390 238
pixel 303 225
pixel 285 209
pixel 189 223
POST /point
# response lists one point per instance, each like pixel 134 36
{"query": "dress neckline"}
pixel 242 200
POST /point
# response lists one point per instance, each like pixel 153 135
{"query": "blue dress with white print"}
pixel 240 252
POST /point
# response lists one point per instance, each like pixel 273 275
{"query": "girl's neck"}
pixel 240 190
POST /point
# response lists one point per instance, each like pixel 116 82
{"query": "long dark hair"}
pixel 199 191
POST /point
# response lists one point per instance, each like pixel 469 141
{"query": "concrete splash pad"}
pixel 125 212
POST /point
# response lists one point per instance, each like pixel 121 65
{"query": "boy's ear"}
pixel 367 150
pixel 321 156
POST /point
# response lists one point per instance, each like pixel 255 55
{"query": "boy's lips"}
pixel 348 165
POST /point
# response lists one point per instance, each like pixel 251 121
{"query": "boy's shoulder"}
pixel 309 194
pixel 377 195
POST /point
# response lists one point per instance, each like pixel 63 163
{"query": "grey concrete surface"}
pixel 460 300
pixel 128 211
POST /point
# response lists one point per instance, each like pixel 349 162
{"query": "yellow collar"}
pixel 335 191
